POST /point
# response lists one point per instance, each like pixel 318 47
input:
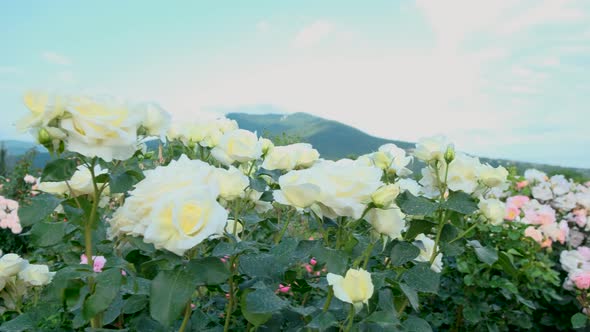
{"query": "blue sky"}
pixel 501 78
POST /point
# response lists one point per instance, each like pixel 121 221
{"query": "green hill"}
pixel 331 138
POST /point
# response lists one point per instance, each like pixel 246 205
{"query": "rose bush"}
pixel 220 229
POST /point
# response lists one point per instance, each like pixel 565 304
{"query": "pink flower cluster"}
pixel 577 264
pixel 9 215
pixel 98 262
pixel 542 219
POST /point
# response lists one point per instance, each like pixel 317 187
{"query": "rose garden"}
pixel 219 229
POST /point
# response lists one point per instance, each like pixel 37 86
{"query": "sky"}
pixel 504 78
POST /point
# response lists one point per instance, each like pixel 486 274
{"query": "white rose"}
pixel 463 173
pixel 36 275
pixel 560 185
pixel 356 287
pixel 542 191
pixel 392 159
pixel 385 195
pixel 267 145
pixel 388 222
pixel 44 108
pixel 431 148
pixel 184 218
pixel 298 189
pixel 570 260
pixel 155 120
pixel 493 209
pixel 232 182
pixel 181 179
pixel 2 283
pixel 224 124
pixel 80 183
pixel 409 185
pixel 101 128
pixel 346 186
pixel 533 175
pixel 259 206
pixel 237 145
pixel 493 177
pixel 291 156
pixel 11 265
pixel 426 246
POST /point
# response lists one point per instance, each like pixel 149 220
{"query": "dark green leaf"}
pixel 323 321
pixel 46 234
pixel 417 206
pixel 415 324
pixel 418 227
pixel 422 279
pixel 507 264
pixel 257 184
pixel 461 202
pixel 264 301
pixel 20 323
pixel 114 310
pixel 105 291
pixel 208 271
pixel 385 319
pixel 579 320
pixel 449 233
pixel 257 265
pixel 486 254
pixel 403 252
pixel 411 294
pixel 134 303
pixel 121 183
pixel 41 206
pixel 255 319
pixel 171 290
pixel 59 170
pixel 336 260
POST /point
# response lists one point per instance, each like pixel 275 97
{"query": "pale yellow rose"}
pixel 237 145
pixel 291 156
pixel 11 265
pixel 426 246
pixel 385 195
pixel 389 222
pixel 493 177
pixel 493 209
pixel 431 148
pixel 36 275
pixel 356 287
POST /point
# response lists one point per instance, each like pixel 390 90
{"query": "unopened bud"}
pixel 449 154
pixel 43 137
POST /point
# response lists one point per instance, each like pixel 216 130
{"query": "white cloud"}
pixel 56 58
pixel 547 12
pixel 314 33
pixel 262 26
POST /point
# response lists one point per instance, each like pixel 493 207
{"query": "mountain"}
pixel 331 138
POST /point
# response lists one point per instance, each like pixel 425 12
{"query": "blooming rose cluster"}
pixel 558 210
pixel 17 276
pixel 178 206
pixel 94 127
pixel 459 171
pixel 205 133
pixel 577 264
pixel 9 215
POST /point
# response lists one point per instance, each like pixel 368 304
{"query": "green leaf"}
pixel 46 234
pixel 506 264
pixel 385 319
pixel 171 290
pixel 449 233
pixel 472 314
pixel 264 301
pixel 122 182
pixel 336 260
pixel 323 321
pixel 418 227
pixel 579 320
pixel 41 206
pixel 59 170
pixel 461 202
pixel 20 323
pixel 254 318
pixel 417 206
pixel 257 184
pixel 208 271
pixel 257 265
pixel 486 254
pixel 422 279
pixel 403 252
pixel 134 303
pixel 106 289
pixel 411 294
pixel 415 324
pixel 114 310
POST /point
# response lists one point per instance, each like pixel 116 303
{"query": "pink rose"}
pixel 584 252
pixel 581 279
pixel 284 288
pixel 534 233
pixel 313 261
pixel 511 212
pixel 518 201
pixel 30 179
pixel 98 262
pixel 522 184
